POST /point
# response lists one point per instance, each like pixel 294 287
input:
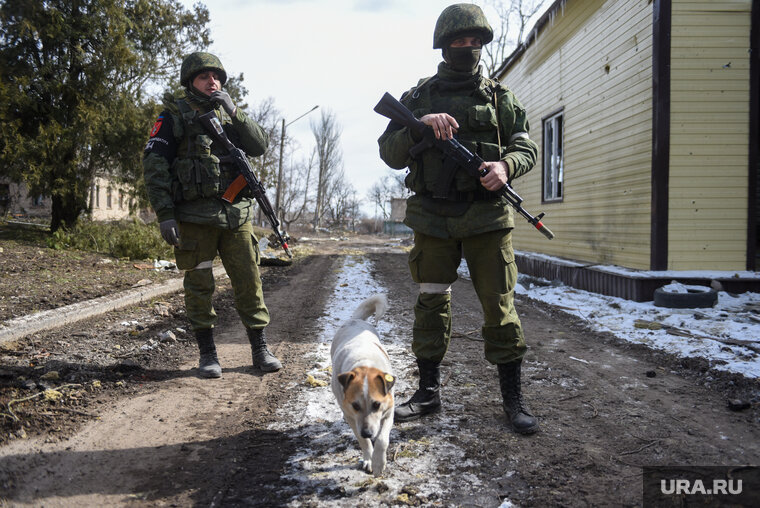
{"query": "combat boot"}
pixel 208 365
pixel 427 399
pixel 260 355
pixel 523 422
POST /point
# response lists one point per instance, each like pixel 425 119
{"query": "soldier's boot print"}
pixel 208 364
pixel 262 358
pixel 522 421
pixel 427 399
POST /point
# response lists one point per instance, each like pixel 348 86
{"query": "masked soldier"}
pixel 454 215
pixel 186 175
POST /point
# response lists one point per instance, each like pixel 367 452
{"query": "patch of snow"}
pixel 332 454
pixel 677 287
pixel 651 274
pixel 734 317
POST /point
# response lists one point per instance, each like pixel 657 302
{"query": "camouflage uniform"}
pixel 469 221
pixel 185 176
pixel 473 222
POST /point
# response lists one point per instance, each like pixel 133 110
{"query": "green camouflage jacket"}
pixel 469 98
pixel 183 174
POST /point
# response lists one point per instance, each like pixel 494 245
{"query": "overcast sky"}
pixel 339 54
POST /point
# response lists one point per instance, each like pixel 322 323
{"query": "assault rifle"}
pixel 247 177
pixel 389 107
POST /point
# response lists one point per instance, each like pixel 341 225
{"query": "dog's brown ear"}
pixel 388 381
pixel 346 378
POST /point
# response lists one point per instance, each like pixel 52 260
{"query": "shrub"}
pixel 126 239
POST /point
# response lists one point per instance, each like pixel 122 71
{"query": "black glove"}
pixel 223 98
pixel 170 232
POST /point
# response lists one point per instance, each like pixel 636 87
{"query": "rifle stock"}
pixel 247 177
pixel 390 108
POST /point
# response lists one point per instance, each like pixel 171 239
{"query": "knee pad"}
pixel 435 288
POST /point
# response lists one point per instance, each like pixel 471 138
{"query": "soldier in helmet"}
pixel 465 218
pixel 186 175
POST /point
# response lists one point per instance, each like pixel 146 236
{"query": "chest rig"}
pixel 472 104
pixel 201 168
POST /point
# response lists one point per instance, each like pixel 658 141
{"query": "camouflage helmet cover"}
pixel 458 19
pixel 197 62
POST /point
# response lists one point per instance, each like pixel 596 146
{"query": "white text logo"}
pixel 678 487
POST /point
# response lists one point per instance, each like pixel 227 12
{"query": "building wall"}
pixel 15 200
pixel 398 209
pixel 708 188
pixel 593 61
pixel 108 201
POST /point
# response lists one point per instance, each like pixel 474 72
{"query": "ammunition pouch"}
pixel 199 173
pixel 430 173
pixel 197 177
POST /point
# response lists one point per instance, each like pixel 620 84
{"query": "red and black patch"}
pixel 162 140
pixel 157 126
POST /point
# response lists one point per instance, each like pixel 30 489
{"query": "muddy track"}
pixel 190 442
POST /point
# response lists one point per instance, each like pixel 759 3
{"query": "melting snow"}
pixel 332 457
pixel 684 332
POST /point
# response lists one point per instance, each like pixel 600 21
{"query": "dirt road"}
pixel 248 439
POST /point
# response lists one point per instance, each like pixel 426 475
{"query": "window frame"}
pixel 559 172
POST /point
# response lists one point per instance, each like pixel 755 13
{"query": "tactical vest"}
pixel 200 169
pixel 475 113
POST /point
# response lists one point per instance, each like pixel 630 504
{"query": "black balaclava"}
pixel 462 59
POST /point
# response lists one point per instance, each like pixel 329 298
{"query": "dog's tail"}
pixel 375 304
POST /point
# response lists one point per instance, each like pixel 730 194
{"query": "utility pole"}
pixel 277 209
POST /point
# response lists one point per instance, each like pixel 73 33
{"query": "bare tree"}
pixel 329 160
pixel 398 185
pixel 391 185
pixel 514 15
pixel 266 114
pixel 343 206
pixel 296 190
pixel 380 195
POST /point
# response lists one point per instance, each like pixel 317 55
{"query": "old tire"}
pixel 693 299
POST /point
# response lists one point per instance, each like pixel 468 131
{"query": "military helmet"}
pixel 459 19
pixel 197 62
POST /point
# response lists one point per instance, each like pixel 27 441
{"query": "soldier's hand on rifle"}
pixel 497 176
pixel 444 125
pixel 223 98
pixel 170 232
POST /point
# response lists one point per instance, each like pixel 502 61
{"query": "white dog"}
pixel 362 381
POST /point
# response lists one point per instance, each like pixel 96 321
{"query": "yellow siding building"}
pixel 646 113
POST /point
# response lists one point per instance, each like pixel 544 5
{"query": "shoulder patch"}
pixel 157 126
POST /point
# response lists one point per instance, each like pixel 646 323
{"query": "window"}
pixel 553 158
pixel 38 200
pixel 5 196
pixel 108 198
pixel 97 196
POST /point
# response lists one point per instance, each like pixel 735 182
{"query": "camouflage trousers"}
pixel 239 251
pixel 433 263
